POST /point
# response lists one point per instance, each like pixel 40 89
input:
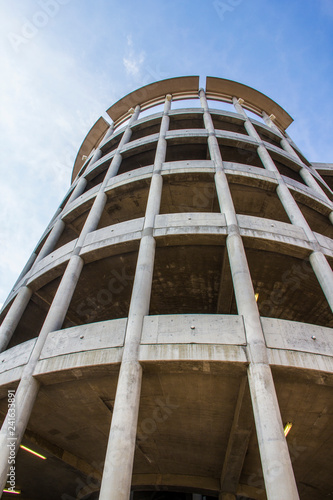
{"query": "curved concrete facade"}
pixel 177 312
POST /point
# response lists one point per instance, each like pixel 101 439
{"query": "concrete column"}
pixel 117 474
pixel 13 316
pixel 304 172
pixel 33 256
pixel 22 299
pixel 331 217
pixel 93 218
pixel 77 191
pixel 114 167
pixel 108 134
pixel 51 240
pixel 57 212
pixel 272 443
pixel 28 387
pixel 288 202
pixel 276 463
pixel 293 211
pixel 101 198
pixel 324 275
pixel 318 261
pixel 95 157
pixel 221 181
pixel 117 159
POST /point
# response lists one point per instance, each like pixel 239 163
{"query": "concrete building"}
pixel 176 314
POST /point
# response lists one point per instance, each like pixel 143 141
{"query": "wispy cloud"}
pixel 62 78
pixel 134 60
pixel 47 107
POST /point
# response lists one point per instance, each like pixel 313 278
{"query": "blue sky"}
pixel 64 62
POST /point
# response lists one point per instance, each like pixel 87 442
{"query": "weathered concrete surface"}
pixel 100 335
pixel 175 329
pixel 296 336
pixel 222 232
pixel 16 356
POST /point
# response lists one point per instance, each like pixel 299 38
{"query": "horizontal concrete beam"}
pixel 295 336
pixel 259 233
pixel 101 335
pixel 290 344
pixel 193 329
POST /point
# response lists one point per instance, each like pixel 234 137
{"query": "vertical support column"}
pixel 98 152
pixel 324 273
pixel 108 134
pixel 78 190
pixel 95 157
pixel 319 263
pixel 13 316
pixel 28 388
pixel 51 240
pixel 304 172
pixel 21 301
pixel 117 474
pixel 275 459
pixel 117 159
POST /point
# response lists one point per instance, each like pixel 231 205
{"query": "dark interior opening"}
pixel 288 288
pixel 145 129
pixel 72 229
pixel 103 291
pixel 186 121
pixel 187 279
pixel 317 221
pixel 223 123
pixel 186 151
pixel 286 170
pixel 35 313
pixel 194 192
pixel 111 144
pixel 138 160
pixel 266 136
pixel 240 154
pixel 125 202
pixel 96 180
pixel 251 200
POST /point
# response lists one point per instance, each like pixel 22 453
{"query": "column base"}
pixel 227 496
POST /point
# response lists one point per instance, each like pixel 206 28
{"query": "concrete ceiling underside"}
pixel 186 423
pixel 191 275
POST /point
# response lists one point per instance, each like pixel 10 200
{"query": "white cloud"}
pixel 47 107
pixel 57 84
pixel 134 61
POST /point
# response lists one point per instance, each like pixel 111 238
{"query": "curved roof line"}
pixel 93 137
pixel 153 94
pixel 253 99
pixel 180 87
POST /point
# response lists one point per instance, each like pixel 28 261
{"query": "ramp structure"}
pixel 175 320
